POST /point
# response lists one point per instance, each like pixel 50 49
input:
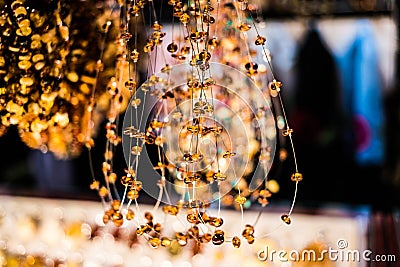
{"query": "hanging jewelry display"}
pixel 203 115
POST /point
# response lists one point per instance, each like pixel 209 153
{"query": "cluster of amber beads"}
pixel 263 196
pixel 47 73
pixel 115 214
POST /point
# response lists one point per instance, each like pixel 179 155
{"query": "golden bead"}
pixel 219 237
pixel 171 210
pixel 116 204
pixel 172 47
pixel 286 219
pixel 155 242
pixel 136 150
pixel 192 217
pixel 228 154
pixel 260 40
pixel 236 242
pixel 106 218
pixel 182 238
pixel 206 238
pixel 204 217
pixel 148 216
pixel 217 222
pixel 248 230
pixel 112 178
pixel 130 215
pixel 219 176
pixel 184 18
pixel 157 227
pixel 243 27
pixel 296 177
pixel 103 191
pixel 165 242
pixel 240 200
pixel 117 219
pixel 132 194
pixel 250 239
pixel 287 132
pixel 265 193
pixel 95 185
pixel 126 180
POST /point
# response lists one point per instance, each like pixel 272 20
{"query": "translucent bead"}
pixel 112 178
pixel 265 193
pixel 219 176
pixel 170 209
pixel 204 218
pixel 248 230
pixel 275 85
pixel 216 129
pixel 206 238
pixel 172 47
pixel 217 222
pixel 157 26
pixel 286 219
pixel 218 238
pixel 240 200
pixel 228 154
pixel 250 239
pixel 184 18
pixel 195 177
pixel 296 177
pixel 95 185
pixel 185 50
pixel 126 180
pixel 204 56
pixel 117 219
pixel 136 185
pixel 116 204
pixel 181 238
pixel 155 124
pixel 136 150
pixel 287 132
pixel 106 218
pixel 132 194
pixel 155 242
pixel 165 242
pixel 213 42
pixel 236 242
pixel 143 229
pixel 243 27
pixel 148 216
pixel 130 215
pixel 208 19
pixel 193 232
pixel 260 40
pixel 192 217
pixel 103 191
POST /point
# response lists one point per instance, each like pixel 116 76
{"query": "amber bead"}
pixel 205 238
pixel 193 232
pixel 204 217
pixel 218 238
pixel 248 230
pixel 184 18
pixel 192 217
pixel 265 193
pixel 217 222
pixel 112 178
pixel 148 216
pixel 250 239
pixel 181 238
pixel 260 40
pixel 155 242
pixel 132 194
pixel 236 242
pixel 208 19
pixel 185 50
pixel 240 200
pixel 243 27
pixel 136 150
pixel 103 191
pixel 130 215
pixel 126 180
pixel 143 229
pixel 275 85
pixel 165 242
pixel 106 218
pixel 287 132
pixel 296 177
pixel 95 185
pixel 171 210
pixel 286 219
pixel 117 219
pixel 116 204
pixel 228 154
pixel 157 227
pixel 219 176
pixel 172 47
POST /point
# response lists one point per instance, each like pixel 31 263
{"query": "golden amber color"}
pixel 296 177
pixel 170 209
pixel 218 238
pixel 236 242
pixel 286 219
pixel 240 200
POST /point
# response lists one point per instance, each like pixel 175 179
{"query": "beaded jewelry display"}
pixel 204 115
